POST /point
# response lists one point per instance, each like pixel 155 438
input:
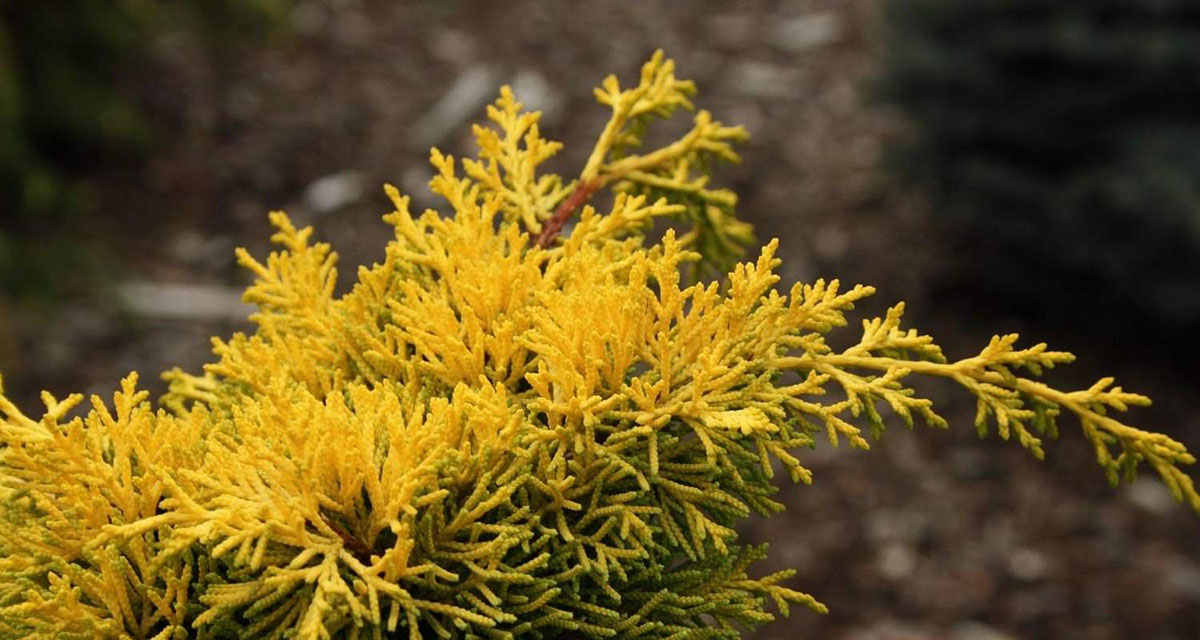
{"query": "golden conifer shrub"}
pixel 508 429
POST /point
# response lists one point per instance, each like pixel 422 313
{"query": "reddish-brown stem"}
pixel 356 547
pixel 582 193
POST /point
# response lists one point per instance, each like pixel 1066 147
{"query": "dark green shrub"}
pixel 1064 138
pixel 62 116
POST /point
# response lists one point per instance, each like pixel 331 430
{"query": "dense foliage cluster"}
pixel 508 428
pixel 1062 136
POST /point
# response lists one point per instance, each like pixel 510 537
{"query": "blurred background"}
pixel 1002 165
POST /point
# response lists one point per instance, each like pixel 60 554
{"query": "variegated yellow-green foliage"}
pixel 501 431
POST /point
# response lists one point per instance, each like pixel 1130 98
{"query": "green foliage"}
pixel 1063 137
pixel 501 431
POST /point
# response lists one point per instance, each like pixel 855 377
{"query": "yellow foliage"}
pixel 499 432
